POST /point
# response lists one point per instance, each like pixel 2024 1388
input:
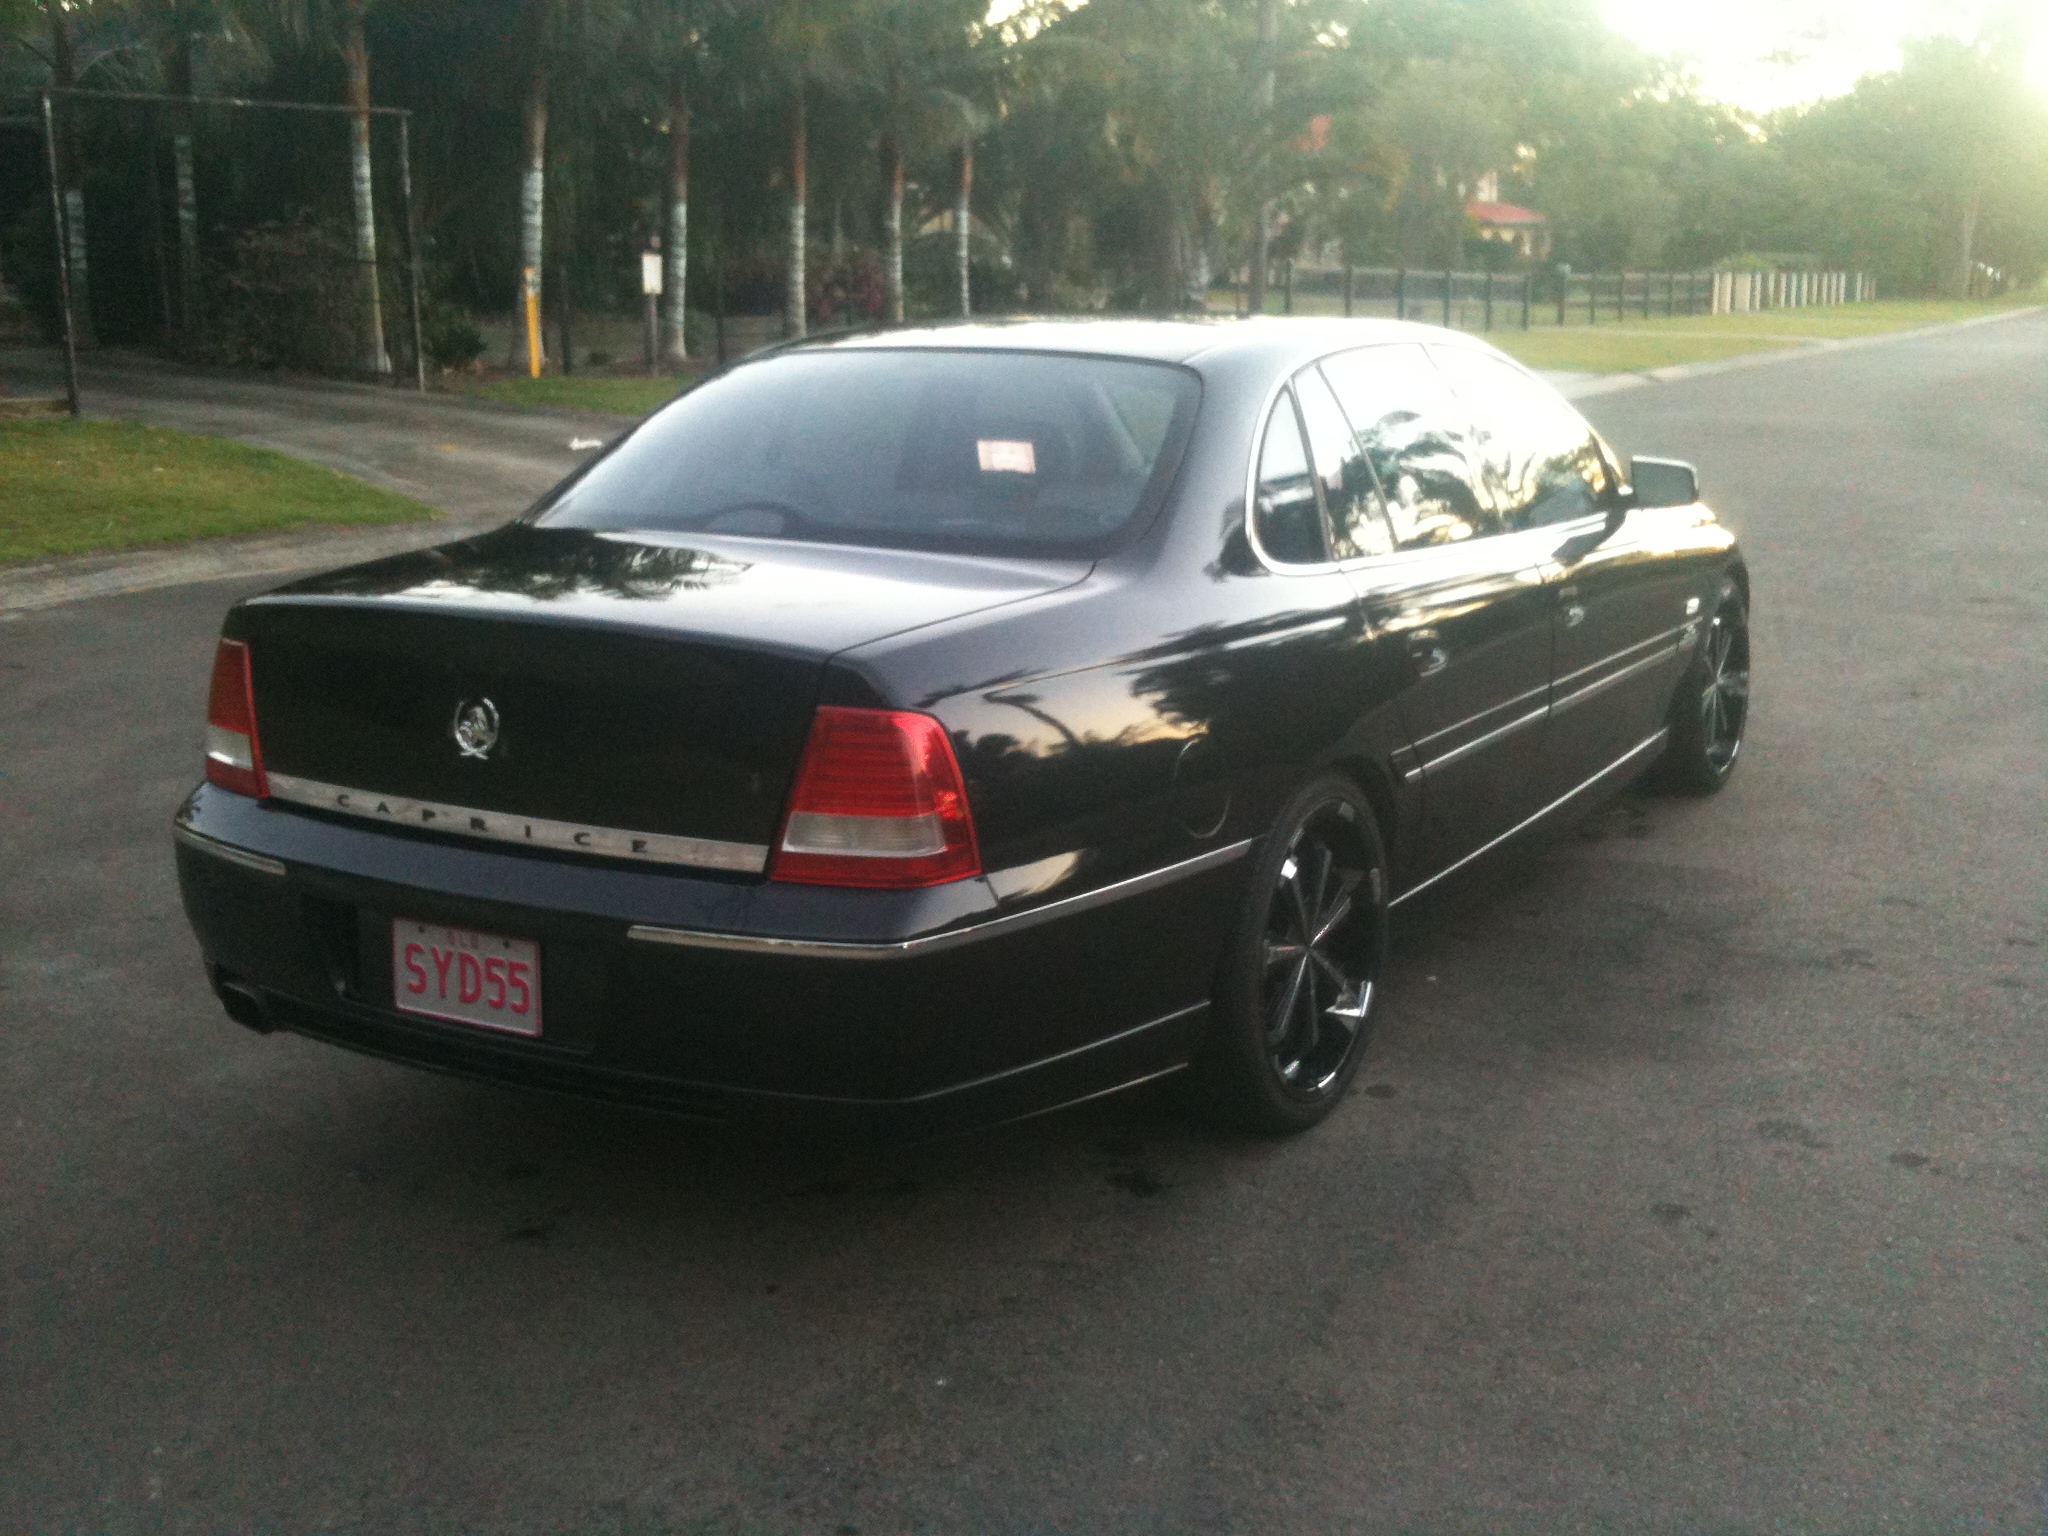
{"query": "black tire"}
pixel 1711 709
pixel 1290 1021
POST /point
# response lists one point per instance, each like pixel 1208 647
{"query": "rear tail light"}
pixel 234 760
pixel 878 802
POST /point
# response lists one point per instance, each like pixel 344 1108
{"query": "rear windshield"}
pixel 1011 451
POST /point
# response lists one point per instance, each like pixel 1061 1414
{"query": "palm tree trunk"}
pixel 963 222
pixel 675 343
pixel 1966 261
pixel 799 155
pixel 532 206
pixel 892 225
pixel 64 75
pixel 355 55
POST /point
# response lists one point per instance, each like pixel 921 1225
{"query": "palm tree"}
pixel 340 24
pixel 918 53
pixel 671 44
pixel 176 27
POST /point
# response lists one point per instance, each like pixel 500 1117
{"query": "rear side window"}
pixel 998 451
pixel 1289 523
pixel 1542 462
pixel 1415 433
pixel 1351 494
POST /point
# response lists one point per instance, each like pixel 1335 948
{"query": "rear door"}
pixel 1618 603
pixel 1465 598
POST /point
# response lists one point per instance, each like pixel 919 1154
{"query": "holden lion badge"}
pixel 476 727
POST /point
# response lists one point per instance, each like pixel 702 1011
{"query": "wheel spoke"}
pixel 1282 1020
pixel 1283 952
pixel 1333 913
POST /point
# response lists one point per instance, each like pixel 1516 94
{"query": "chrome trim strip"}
pixel 1669 637
pixel 527 831
pixel 1571 794
pixel 1601 685
pixel 937 943
pixel 1457 754
pixel 1078 1050
pixel 228 851
pixel 1670 640
pixel 1540 691
pixel 1103 1093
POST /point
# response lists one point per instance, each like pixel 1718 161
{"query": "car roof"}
pixel 1194 340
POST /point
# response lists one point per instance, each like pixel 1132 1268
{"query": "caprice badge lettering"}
pixel 476 727
pixel 499 826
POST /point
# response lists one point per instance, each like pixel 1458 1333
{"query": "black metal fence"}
pixel 1485 301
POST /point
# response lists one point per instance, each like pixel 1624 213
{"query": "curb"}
pixel 41 584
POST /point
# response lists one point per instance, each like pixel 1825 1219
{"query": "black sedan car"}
pixel 944 725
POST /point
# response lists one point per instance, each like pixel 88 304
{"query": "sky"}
pixel 1764 54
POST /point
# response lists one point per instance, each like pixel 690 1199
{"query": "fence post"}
pixel 1287 287
pixel 63 257
pixel 1592 298
pixel 1400 293
pixel 412 250
pixel 1347 290
pixel 1527 279
pixel 1564 284
pixel 1489 300
pixel 1447 298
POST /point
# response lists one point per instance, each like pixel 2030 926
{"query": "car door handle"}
pixel 1574 615
pixel 1430 658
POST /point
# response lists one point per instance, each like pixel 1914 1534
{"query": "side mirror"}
pixel 1664 482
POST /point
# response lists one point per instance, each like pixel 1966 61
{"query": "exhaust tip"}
pixel 244 1004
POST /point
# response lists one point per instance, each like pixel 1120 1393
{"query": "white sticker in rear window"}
pixel 999 456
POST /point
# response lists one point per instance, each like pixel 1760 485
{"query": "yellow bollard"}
pixel 532 323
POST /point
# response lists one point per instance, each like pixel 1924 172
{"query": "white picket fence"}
pixel 1742 293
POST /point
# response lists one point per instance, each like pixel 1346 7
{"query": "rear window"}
pixel 1008 451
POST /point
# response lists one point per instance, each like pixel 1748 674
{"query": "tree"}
pixel 918 58
pixel 339 25
pixel 672 42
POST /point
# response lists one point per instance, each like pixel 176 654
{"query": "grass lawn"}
pixel 1626 346
pixel 1635 344
pixel 67 487
pixel 582 392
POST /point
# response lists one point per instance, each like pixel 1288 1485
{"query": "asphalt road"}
pixel 1695 1184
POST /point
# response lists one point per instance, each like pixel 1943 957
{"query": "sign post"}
pixel 650 291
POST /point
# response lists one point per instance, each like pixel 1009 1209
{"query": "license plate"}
pixel 458 973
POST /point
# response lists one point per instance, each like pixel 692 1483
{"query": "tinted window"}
pixel 1290 525
pixel 1415 433
pixel 1351 496
pixel 948 449
pixel 1542 462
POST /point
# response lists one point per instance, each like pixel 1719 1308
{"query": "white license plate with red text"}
pixel 459 973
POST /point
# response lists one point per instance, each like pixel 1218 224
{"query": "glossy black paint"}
pixel 1113 718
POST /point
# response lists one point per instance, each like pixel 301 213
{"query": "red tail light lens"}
pixel 878 802
pixel 234 760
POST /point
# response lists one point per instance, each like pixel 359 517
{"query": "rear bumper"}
pixel 716 997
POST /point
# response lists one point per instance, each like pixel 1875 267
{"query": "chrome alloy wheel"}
pixel 1724 696
pixel 1322 954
